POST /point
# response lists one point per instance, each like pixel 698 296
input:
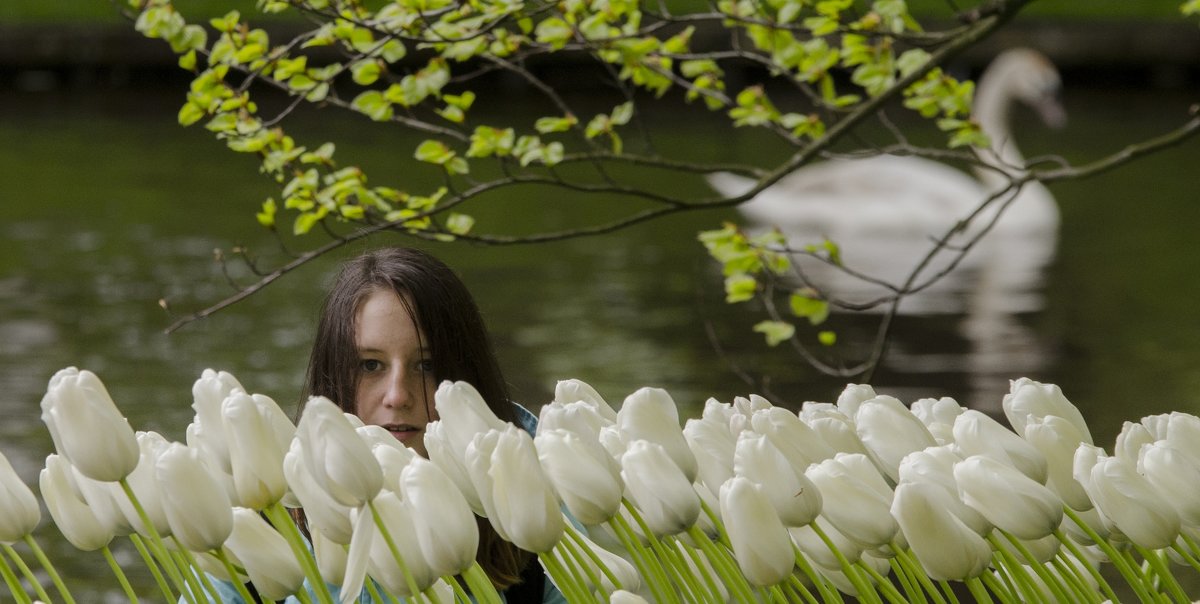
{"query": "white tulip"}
pixel 1176 476
pixel 197 508
pixel 572 390
pixel 144 483
pixel 19 507
pixel 1130 441
pixel 330 555
pixel 392 458
pixel 104 500
pixel 1057 439
pixel 1183 433
pixel 340 462
pixel 712 444
pixel 833 426
pixel 717 411
pixel 86 426
pixel 613 441
pixel 396 517
pixel 444 454
pixel 890 431
pixel 1007 498
pixel 748 406
pixel 651 414
pixel 1158 425
pixel 323 513
pixel 935 466
pixel 760 542
pixel 947 548
pixel 258 435
pixel 659 489
pixel 578 417
pixel 265 555
pixel 799 443
pixel 856 499
pixel 978 434
pixel 208 434
pixel 852 396
pixel 1131 504
pixel 515 491
pixel 1027 399
pixel 67 507
pixel 585 477
pixel 625 597
pixel 463 413
pixel 938 415
pixel 795 498
pixel 621 568
pixel 809 542
pixel 444 525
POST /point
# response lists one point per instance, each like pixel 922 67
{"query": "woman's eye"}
pixel 370 365
pixel 425 366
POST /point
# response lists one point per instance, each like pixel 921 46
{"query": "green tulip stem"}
pixel 26 572
pixel 909 563
pixel 14 584
pixel 157 547
pixel 1160 568
pixel 889 590
pixel 978 590
pixel 722 536
pixel 480 585
pixel 183 561
pixel 1186 555
pixel 220 554
pixel 702 569
pixel 576 543
pixel 670 548
pixel 120 574
pixel 575 569
pixel 387 538
pixel 42 559
pixel 669 563
pixel 279 518
pixel 636 554
pixel 735 581
pixel 1091 568
pixel 154 570
pixel 572 590
pixel 946 589
pixel 822 584
pixel 1150 582
pixel 667 592
pixel 1053 584
pixel 796 587
pixel 585 558
pixel 377 597
pixel 1070 574
pixel 302 595
pixel 776 594
pixel 1131 577
pixel 1003 590
pixel 864 589
pixel 460 594
pixel 1016 572
pixel 1191 544
pixel 914 592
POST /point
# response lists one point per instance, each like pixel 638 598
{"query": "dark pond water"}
pixel 108 206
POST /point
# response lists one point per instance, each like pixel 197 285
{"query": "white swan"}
pixel 886 211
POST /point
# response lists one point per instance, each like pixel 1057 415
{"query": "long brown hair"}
pixel 453 332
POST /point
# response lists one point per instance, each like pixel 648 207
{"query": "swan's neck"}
pixel 993 103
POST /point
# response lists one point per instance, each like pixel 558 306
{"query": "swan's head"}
pixel 1029 77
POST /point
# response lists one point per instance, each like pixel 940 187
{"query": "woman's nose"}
pixel 395 394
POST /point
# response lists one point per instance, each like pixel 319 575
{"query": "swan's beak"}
pixel 1050 109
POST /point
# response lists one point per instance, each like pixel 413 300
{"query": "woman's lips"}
pixel 402 431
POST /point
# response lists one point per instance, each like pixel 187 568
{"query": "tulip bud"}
pixel 624 597
pixel 651 414
pixel 265 554
pixel 396 516
pixel 578 417
pixel 857 501
pixel 1007 498
pixel 815 548
pixel 795 498
pixel 19 511
pixel 799 443
pixel 86 426
pixel 1130 441
pixel 890 431
pixel 69 510
pixel 1131 504
pixel 258 434
pixel 853 396
pixel 748 406
pixel 1027 399
pixel 1183 433
pixel 451 460
pixel 935 466
pixel 104 500
pixel 208 393
pixel 323 513
pixel 463 413
pixel 659 489
pixel 340 462
pixel 518 498
pixel 197 508
pixel 144 483
pixel 570 391
pixel 947 548
pixel 1176 476
pixel 833 426
pixel 978 434
pixel 444 525
pixel 933 411
pixel 760 541
pixel 712 444
pixel 1057 439
pixel 585 477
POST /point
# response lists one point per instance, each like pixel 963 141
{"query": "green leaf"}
pixel 459 224
pixel 305 222
pixel 775 331
pixel 366 72
pixel 190 114
pixel 373 104
pixel 739 287
pixel 434 152
pixel 546 125
pixel 827 338
pixel 267 216
pixel 805 306
pixel 393 50
pixel 622 113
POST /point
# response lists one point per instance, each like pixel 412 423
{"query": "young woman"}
pixel 395 324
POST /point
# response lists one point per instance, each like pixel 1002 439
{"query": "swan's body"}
pixel 886 211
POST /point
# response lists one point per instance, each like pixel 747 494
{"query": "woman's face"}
pixel 395 373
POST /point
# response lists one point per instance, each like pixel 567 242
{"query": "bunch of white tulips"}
pixel 748 503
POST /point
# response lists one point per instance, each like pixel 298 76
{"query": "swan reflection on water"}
pixel 886 213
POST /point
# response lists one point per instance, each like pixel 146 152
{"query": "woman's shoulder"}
pixel 526 419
